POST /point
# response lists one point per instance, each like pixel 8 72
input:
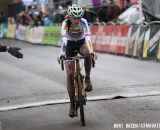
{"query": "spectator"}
pixel 47 20
pixel 113 11
pixel 89 14
pixel 31 20
pixel 60 16
pixel 38 19
pixel 31 17
pixel 47 17
pixel 3 17
pixel 11 20
pixel 18 19
pixel 102 13
pixel 24 20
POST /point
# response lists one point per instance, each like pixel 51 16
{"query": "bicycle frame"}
pixel 79 83
pixel 78 76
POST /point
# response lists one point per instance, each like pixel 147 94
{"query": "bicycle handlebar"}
pixel 75 57
pixel 60 61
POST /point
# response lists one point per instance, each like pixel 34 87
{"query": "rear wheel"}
pixel 81 100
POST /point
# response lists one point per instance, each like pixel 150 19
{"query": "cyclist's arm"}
pixel 63 37
pixel 14 51
pixel 87 37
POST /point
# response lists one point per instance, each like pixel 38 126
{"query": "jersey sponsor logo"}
pixel 75 29
pixel 75 32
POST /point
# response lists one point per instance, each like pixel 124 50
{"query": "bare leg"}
pixel 70 85
pixel 87 63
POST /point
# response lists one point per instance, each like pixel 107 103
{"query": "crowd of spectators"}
pixel 32 17
pixel 109 12
pixel 105 13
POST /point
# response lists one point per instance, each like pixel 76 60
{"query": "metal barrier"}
pixel 140 41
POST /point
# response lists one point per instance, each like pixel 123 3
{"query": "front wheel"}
pixel 81 100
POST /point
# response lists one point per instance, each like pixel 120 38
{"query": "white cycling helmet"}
pixel 75 11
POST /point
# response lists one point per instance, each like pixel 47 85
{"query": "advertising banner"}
pixel 21 32
pixel 103 38
pixel 29 34
pixel 106 38
pixel 11 31
pixel 51 35
pixel 116 33
pixel 99 38
pixel 37 35
pixel 120 49
pixel 3 29
pixel 94 29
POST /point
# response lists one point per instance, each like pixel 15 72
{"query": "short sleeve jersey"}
pixel 76 32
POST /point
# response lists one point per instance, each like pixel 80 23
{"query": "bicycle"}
pixel 80 96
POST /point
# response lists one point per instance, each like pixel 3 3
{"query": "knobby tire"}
pixel 81 100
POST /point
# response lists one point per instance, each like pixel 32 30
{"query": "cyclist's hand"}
pixel 14 51
pixel 94 55
pixel 61 57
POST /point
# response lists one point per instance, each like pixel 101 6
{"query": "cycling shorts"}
pixel 72 46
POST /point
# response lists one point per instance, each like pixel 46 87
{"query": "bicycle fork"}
pixel 83 88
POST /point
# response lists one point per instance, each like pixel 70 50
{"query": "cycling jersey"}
pixel 75 33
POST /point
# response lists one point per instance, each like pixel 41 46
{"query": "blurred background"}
pixel 49 12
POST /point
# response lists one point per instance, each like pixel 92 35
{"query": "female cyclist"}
pixel 76 36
